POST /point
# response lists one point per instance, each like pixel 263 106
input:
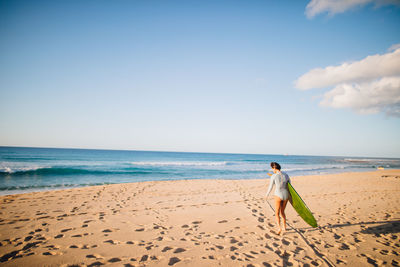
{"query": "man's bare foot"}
pixel 277 232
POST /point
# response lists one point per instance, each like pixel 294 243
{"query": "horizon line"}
pixel 168 151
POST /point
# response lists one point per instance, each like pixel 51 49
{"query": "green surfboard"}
pixel 301 207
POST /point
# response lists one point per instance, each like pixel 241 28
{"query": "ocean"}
pixel 25 169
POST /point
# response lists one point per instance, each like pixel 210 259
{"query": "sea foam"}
pixel 179 163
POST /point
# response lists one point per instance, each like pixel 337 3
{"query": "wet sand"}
pixel 205 223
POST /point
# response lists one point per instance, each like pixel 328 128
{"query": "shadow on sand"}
pixel 388 227
pixel 380 227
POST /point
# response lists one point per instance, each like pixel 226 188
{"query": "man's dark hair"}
pixel 275 165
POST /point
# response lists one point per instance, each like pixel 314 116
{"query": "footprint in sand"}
pixel 338 261
pixel 144 258
pixel 179 250
pixel 49 253
pixel 384 252
pixel 94 256
pixel 173 260
pixel 96 263
pixel 112 260
pixel 166 249
pixel 79 235
pixel 344 246
pixel 248 256
pixel 233 240
pixel 297 250
pixel 336 236
pixel 53 247
pixel 371 260
pixel 111 242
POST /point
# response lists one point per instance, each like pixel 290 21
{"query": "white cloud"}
pixel 394 47
pixel 370 85
pixel 333 7
pixel 382 95
pixel 369 68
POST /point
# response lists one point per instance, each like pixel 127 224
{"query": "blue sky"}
pixel 204 76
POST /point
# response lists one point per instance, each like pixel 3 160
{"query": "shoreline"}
pixel 46 189
pixel 204 222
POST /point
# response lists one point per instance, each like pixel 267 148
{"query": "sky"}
pixel 315 77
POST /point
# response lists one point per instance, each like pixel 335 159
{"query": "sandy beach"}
pixel 205 223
